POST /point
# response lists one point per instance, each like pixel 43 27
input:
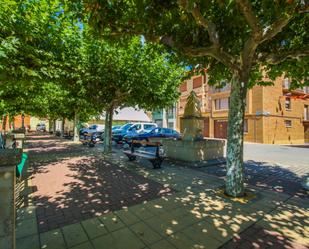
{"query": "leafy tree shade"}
pixel 130 74
pixel 240 40
pixel 40 55
pixel 28 33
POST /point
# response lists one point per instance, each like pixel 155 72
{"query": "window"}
pixel 222 104
pixel 156 131
pixel 246 126
pixel 148 126
pixel 183 87
pixel 198 82
pixel 288 104
pixel 222 87
pixel 306 113
pixel 288 123
pixel 135 127
pixel 286 83
pixel 167 131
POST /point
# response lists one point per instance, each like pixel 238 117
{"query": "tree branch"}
pixel 213 51
pixel 276 27
pixel 200 20
pixel 275 58
pixel 258 34
pixel 246 9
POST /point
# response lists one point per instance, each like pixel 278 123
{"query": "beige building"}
pixel 274 114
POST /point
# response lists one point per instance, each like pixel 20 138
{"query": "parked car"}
pixel 117 134
pixel 133 129
pixel 98 128
pixel 142 127
pixel 41 127
pixel 115 127
pixel 154 133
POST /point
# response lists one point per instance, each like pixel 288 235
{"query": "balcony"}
pixel 214 89
pixel 286 85
pixel 157 115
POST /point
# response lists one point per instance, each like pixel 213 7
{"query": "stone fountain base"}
pixel 194 151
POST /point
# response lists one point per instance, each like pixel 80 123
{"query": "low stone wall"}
pixel 193 151
pixel 8 160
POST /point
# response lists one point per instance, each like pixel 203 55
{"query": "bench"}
pixel 154 157
pixel 89 139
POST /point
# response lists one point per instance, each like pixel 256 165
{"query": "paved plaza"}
pixel 81 199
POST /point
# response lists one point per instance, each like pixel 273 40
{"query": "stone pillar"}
pixel 9 158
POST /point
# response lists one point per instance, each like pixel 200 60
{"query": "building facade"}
pixel 274 114
pixel 166 118
pixel 17 122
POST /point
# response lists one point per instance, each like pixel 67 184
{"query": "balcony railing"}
pixel 225 88
pixel 286 84
pixel 157 115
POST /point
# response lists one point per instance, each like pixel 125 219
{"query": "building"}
pixel 16 122
pixel 274 114
pixel 166 118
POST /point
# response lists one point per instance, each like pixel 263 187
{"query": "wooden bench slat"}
pixel 137 153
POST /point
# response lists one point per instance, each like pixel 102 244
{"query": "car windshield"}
pixel 92 127
pixel 154 131
pixel 125 127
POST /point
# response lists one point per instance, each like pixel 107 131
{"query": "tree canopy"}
pixel 242 41
pixel 50 65
pixel 131 73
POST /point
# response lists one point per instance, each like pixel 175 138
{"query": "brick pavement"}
pixel 194 216
pixel 74 188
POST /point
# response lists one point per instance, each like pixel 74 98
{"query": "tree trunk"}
pixel 11 122
pixel 234 185
pixel 108 130
pixel 4 122
pixel 50 125
pixel 76 131
pixel 62 127
pixel 23 121
pixel 54 126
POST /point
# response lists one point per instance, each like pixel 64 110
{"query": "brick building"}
pixel 15 123
pixel 274 114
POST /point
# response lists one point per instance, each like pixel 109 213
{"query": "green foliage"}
pixel 50 65
pixel 134 74
pixel 173 23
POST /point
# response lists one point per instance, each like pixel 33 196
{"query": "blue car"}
pixel 118 134
pixel 154 133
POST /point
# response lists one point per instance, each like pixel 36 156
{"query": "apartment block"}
pixel 274 114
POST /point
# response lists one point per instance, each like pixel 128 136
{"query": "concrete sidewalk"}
pixel 195 215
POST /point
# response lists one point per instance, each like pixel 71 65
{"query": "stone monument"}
pixel 193 147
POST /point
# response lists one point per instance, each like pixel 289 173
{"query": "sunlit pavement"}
pixel 190 214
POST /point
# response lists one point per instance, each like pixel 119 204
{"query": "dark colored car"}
pixel 41 127
pixel 154 133
pixel 118 134
pixel 116 127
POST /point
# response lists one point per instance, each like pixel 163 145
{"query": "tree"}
pixel 132 73
pixel 239 40
pixel 40 69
